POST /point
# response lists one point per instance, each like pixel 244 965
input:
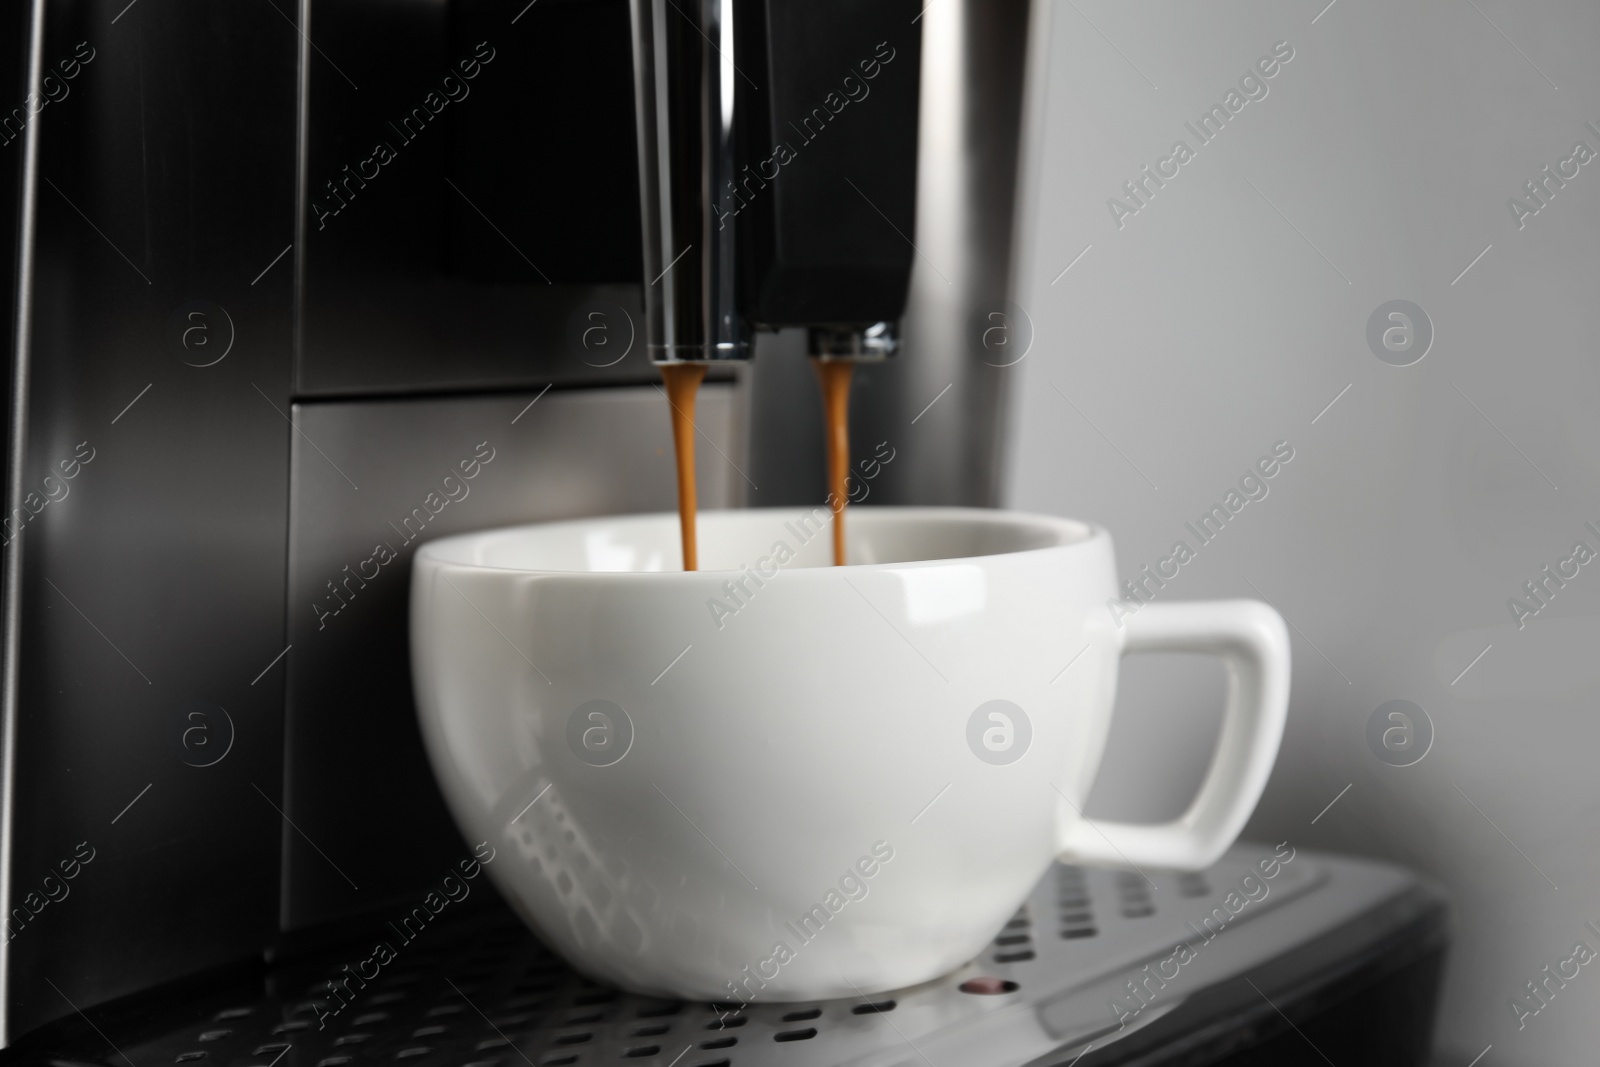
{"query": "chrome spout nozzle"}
pixel 878 341
pixel 687 114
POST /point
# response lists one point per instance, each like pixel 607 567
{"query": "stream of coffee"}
pixel 683 385
pixel 834 377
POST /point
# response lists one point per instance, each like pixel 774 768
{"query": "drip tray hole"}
pixel 988 985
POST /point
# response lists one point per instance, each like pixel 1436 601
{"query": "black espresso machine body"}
pixel 300 283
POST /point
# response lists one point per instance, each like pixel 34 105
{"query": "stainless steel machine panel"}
pixel 157 183
pixel 938 402
pixel 468 194
pixel 365 822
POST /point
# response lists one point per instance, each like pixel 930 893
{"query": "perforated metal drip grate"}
pixel 482 992
pixel 1136 897
pixel 1015 941
pixel 493 998
pixel 1072 899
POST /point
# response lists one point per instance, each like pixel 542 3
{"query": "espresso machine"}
pixel 298 285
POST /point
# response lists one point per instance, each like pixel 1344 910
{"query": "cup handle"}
pixel 1252 641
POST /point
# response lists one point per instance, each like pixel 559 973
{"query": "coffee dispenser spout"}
pixel 871 343
pixel 688 112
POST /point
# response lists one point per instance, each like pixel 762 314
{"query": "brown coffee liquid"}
pixel 683 384
pixel 834 376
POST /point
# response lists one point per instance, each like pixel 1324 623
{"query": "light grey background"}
pixel 1229 312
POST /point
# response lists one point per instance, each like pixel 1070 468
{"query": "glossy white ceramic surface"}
pixel 776 779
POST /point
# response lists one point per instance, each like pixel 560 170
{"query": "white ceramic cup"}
pixel 774 779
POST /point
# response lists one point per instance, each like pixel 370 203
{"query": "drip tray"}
pixel 1098 967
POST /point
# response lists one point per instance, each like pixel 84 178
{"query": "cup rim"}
pixel 1074 535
